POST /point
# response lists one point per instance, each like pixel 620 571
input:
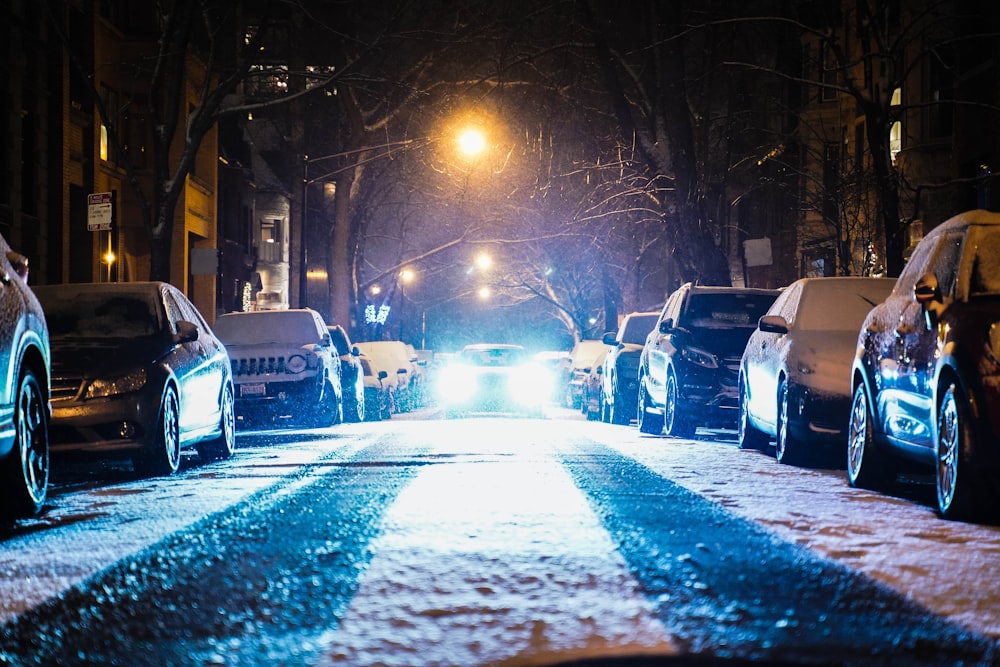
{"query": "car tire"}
pixel 787 448
pixel 867 465
pixel 329 408
pixel 748 435
pixel 26 470
pixel 674 423
pixel 162 456
pixel 958 478
pixel 354 410
pixel 224 445
pixel 618 414
pixel 648 421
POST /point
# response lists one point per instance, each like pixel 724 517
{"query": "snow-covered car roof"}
pixel 299 326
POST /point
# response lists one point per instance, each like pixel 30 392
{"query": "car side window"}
pixel 985 277
pixel 787 302
pixel 173 310
pixel 915 267
pixel 945 261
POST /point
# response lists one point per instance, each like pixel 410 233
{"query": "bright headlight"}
pixel 700 357
pixel 118 384
pixel 455 384
pixel 531 384
pixel 993 345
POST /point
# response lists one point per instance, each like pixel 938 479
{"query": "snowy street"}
pixel 492 540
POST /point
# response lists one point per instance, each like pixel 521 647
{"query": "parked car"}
pixel 795 375
pixel 926 377
pixel 378 402
pixel 394 357
pixel 285 367
pixel 689 364
pixel 24 393
pixel 488 377
pixel 352 377
pixel 590 405
pixel 136 370
pixel 620 378
pixel 581 359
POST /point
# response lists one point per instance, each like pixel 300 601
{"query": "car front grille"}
pixel 65 387
pixel 258 366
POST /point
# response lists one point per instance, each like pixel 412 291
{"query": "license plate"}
pixel 253 389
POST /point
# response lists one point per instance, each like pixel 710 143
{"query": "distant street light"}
pixel 484 293
pixel 471 142
pixel 484 261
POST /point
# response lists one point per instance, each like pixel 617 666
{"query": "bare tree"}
pixel 198 44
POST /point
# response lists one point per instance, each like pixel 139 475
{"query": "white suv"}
pixel 285 367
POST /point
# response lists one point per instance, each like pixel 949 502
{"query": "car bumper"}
pixel 103 424
pixel 253 398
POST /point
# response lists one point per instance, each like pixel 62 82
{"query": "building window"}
pixel 271 243
pixel 896 129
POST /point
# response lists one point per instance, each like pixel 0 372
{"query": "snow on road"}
pixel 493 557
pixel 898 542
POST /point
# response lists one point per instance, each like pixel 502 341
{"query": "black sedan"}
pixel 136 370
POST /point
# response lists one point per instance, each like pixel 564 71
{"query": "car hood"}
pixel 722 342
pixel 95 357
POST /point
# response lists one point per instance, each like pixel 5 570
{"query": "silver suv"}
pixel 285 367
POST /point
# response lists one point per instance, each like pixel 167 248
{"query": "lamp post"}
pixel 406 276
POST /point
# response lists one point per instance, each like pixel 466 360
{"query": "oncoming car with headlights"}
pixel 493 377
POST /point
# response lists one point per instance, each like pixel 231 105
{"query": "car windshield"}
pixel 986 265
pixel 638 328
pixel 493 356
pixel 70 313
pixel 724 311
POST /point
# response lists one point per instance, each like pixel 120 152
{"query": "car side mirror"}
pixel 773 324
pixel 382 375
pixel 355 351
pixel 186 332
pixel 610 338
pixel 927 293
pixel 666 325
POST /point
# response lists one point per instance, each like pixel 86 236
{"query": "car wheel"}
pixel 223 446
pixel 618 414
pixel 649 422
pixel 959 485
pixel 26 469
pixel 749 436
pixel 356 409
pixel 787 449
pixel 163 455
pixel 329 408
pixel 867 466
pixel 674 423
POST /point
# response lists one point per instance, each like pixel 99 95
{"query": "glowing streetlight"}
pixel 484 293
pixel 407 275
pixel 471 142
pixel 484 261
